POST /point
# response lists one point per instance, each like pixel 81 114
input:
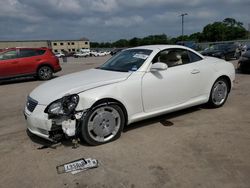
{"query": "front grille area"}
pixel 31 104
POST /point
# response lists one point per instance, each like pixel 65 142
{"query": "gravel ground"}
pixel 203 147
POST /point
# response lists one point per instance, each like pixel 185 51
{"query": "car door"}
pixel 27 60
pixel 9 64
pixel 171 87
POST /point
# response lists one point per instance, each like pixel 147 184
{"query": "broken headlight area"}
pixel 62 107
pixel 65 127
pixel 65 119
pixel 61 128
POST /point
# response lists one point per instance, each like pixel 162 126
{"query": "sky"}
pixel 110 20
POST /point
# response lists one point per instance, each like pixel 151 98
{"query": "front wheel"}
pixel 219 93
pixel 103 124
pixel 45 73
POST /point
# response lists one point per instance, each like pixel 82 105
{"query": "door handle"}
pixel 195 71
pixel 14 62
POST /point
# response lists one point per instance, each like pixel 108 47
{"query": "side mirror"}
pixel 158 66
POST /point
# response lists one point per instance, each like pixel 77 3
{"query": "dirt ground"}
pixel 203 148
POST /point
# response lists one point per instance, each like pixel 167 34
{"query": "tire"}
pixel 102 124
pixel 45 72
pixel 219 93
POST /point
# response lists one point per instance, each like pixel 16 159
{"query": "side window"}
pixel 41 52
pixel 172 57
pixel 194 57
pixel 8 55
pixel 27 53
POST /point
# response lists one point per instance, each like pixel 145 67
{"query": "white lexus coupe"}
pixel 135 84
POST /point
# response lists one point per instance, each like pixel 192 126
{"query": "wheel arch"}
pixel 44 64
pixel 228 81
pixel 110 101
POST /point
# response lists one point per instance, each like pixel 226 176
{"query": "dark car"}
pixel 223 51
pixel 245 47
pixel 190 44
pixel 18 62
pixel 244 62
pixel 115 51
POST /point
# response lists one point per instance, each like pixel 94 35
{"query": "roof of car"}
pixel 166 46
pixel 14 48
pixel 160 47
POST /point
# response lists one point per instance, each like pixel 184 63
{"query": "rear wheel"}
pixel 103 124
pixel 45 73
pixel 219 93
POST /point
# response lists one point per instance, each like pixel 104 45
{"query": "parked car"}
pixel 85 50
pixel 81 54
pixel 98 53
pixel 68 54
pixel 93 53
pixel 244 62
pixel 101 53
pixel 190 44
pixel 223 51
pixel 136 84
pixel 39 62
pixel 245 48
pixel 107 52
pixel 59 54
pixel 115 51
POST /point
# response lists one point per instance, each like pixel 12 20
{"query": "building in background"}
pixel 69 45
pixel 29 44
pixel 55 45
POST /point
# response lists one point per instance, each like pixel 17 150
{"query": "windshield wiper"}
pixel 112 69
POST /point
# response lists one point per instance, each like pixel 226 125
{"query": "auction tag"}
pixel 141 56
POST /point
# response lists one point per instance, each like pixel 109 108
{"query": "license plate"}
pixel 72 166
pixel 77 166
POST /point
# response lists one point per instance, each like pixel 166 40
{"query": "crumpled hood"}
pixel 75 83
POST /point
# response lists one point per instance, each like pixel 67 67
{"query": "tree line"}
pixel 228 29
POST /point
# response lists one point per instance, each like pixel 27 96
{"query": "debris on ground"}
pixel 77 166
pixel 75 143
pixel 53 146
pixel 166 123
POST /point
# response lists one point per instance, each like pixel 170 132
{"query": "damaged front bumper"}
pixel 53 129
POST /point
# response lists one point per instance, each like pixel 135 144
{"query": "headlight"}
pixel 64 106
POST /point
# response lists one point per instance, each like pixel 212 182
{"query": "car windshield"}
pixel 128 60
pixel 217 47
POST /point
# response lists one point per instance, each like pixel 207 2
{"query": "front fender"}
pixel 127 92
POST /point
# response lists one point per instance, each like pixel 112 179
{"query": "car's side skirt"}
pixel 193 102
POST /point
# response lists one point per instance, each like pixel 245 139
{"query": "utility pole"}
pixel 182 24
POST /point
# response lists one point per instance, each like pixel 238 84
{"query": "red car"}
pixel 39 62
